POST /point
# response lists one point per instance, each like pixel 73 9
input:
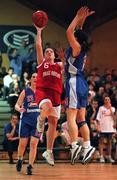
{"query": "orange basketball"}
pixel 40 18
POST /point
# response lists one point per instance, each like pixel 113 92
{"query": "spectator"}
pixel 23 49
pixel 13 95
pixel 91 118
pixel 114 74
pixel 91 90
pixel 11 139
pixel 99 95
pixel 91 112
pixel 2 74
pixel 16 62
pixel 6 82
pixel 105 126
pixel 106 73
pixel 114 99
pixel 94 78
pixel 3 71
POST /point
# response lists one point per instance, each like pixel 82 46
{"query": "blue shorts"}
pixel 76 92
pixel 27 127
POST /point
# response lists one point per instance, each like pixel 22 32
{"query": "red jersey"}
pixel 49 76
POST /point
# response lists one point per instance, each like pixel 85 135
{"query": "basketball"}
pixel 40 18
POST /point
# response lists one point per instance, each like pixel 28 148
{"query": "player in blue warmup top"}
pixel 29 110
pixel 76 86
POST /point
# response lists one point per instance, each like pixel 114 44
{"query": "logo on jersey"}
pixel 51 73
pixel 30 98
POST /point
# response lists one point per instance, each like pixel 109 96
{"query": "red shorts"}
pixel 54 96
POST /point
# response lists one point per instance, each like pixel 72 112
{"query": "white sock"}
pixel 101 156
pixel 49 150
pixel 20 158
pixel 86 144
pixel 73 144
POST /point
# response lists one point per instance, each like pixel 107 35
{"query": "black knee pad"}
pixel 82 123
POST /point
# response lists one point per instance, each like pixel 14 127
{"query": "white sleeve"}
pixel 113 109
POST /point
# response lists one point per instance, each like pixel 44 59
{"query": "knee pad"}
pixel 82 123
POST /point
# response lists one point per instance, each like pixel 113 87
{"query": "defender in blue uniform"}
pixel 29 110
pixel 28 118
pixel 76 86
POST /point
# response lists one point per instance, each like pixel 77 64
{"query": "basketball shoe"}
pixel 87 154
pixel 19 165
pixel 49 157
pixel 75 153
pixel 29 170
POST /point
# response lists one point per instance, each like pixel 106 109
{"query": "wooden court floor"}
pixel 61 171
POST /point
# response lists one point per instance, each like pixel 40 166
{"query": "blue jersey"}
pixel 74 65
pixel 28 119
pixel 32 109
pixel 76 85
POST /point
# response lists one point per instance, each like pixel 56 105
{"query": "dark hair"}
pixel 10 68
pixel 30 75
pixel 83 39
pixel 14 114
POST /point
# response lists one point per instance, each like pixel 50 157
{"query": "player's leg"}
pixel 88 150
pixel 72 105
pixel 73 132
pixel 51 133
pixel 45 107
pixel 23 140
pixel 21 150
pixel 32 154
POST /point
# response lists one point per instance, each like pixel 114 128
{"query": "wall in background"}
pixel 104 51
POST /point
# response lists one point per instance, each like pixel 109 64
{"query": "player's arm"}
pixel 86 13
pixel 61 55
pixel 77 22
pixel 39 48
pixel 19 103
pixel 76 48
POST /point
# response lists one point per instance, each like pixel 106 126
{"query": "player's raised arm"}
pixel 40 20
pixel 77 22
pixel 39 48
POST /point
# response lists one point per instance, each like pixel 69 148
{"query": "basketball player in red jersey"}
pixel 48 93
